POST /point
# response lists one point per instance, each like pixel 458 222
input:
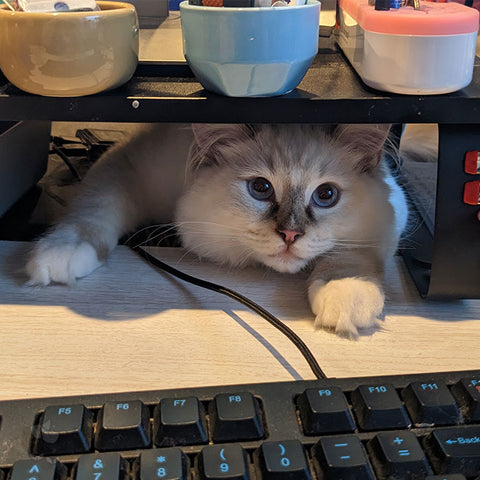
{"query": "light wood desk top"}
pixel 128 327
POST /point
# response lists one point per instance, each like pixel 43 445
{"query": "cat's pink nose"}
pixel 289 236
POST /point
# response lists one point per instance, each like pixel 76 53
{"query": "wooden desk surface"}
pixel 129 327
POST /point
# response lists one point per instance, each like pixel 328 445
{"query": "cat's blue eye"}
pixel 260 188
pixel 326 195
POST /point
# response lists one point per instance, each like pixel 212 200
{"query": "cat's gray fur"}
pixel 198 177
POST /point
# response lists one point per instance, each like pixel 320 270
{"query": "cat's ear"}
pixel 365 141
pixel 213 140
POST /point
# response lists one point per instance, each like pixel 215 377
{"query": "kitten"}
pixel 289 197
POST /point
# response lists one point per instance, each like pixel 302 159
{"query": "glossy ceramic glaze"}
pixel 69 54
pixel 250 52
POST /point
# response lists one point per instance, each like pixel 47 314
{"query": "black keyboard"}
pixel 393 427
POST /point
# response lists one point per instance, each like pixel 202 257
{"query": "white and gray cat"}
pixel 289 197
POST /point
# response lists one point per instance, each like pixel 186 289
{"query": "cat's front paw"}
pixel 53 262
pixel 346 305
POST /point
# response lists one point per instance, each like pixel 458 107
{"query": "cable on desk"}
pixel 290 334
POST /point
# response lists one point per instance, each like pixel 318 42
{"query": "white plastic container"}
pixel 407 51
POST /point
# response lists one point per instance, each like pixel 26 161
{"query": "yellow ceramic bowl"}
pixel 69 54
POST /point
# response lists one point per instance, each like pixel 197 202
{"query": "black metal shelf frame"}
pixel 444 263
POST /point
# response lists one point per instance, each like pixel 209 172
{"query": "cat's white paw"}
pixel 54 263
pixel 346 305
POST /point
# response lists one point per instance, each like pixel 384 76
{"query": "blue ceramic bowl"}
pixel 250 52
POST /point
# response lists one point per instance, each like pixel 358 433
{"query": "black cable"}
pixel 56 149
pixel 290 334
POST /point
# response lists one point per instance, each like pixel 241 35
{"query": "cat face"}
pixel 282 195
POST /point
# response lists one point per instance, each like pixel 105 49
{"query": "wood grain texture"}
pixel 129 327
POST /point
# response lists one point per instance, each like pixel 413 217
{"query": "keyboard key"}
pixel 235 417
pixel 342 456
pixel 179 421
pixel 430 403
pixel 467 394
pixel 123 426
pixel 398 455
pixel 286 411
pixel 282 460
pixel 163 464
pixel 378 407
pixel 227 462
pixel 38 469
pixel 100 466
pixel 324 410
pixel 455 450
pixel 65 429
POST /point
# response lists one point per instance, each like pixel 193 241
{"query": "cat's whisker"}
pixel 211 245
pixel 163 234
pixel 194 250
pixel 187 251
pixel 159 232
pixel 197 230
pixel 357 245
pixel 161 238
pixel 212 236
pixel 356 241
pixel 146 241
pixel 215 224
pixel 141 230
pixel 153 235
pixel 241 258
pixel 245 257
pixel 411 230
